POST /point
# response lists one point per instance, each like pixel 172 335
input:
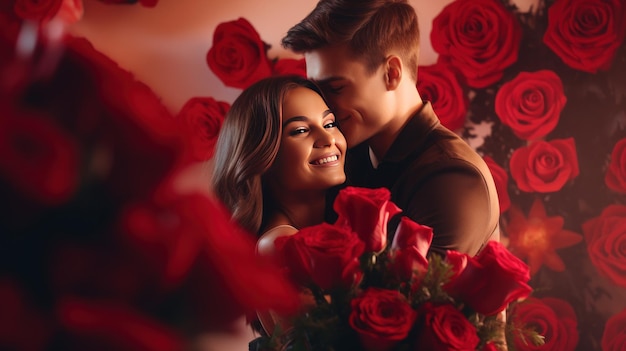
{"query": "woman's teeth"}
pixel 326 160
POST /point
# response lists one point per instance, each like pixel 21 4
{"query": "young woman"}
pixel 278 153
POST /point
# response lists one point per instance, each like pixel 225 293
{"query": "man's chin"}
pixel 353 140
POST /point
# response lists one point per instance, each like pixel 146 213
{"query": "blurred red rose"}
pixel 149 3
pixel 478 37
pixel 615 177
pixel 409 249
pixel 490 280
pixel 445 328
pixel 146 3
pixel 22 327
pixel 202 119
pixel 366 212
pixel 614 337
pixel 113 273
pixel 238 56
pixel 117 325
pixel 501 178
pixel 605 242
pixel 490 347
pixel 166 234
pixel 68 11
pixel 227 254
pixel 531 103
pixel 438 84
pixel 586 34
pixel 71 11
pixel 37 157
pixel 545 166
pixel 325 254
pixel 551 317
pixel 289 66
pixel 36 10
pixel 381 318
pixel 137 125
pixel 148 110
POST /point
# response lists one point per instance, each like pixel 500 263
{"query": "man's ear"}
pixel 393 71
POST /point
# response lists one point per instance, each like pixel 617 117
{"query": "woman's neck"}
pixel 298 209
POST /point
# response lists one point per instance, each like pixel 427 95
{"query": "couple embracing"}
pixel 281 152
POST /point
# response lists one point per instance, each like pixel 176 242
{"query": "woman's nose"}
pixel 324 139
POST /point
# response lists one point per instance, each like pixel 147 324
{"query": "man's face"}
pixel 359 99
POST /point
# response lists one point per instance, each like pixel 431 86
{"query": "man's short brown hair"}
pixel 370 28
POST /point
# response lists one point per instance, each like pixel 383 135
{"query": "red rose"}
pixel 366 212
pixel 445 328
pixel 238 56
pixel 409 248
pixel 615 177
pixel 115 325
pixel 438 83
pixel 38 158
pixel 37 10
pixel 531 103
pixel 457 262
pixel 491 280
pixel 290 67
pixel 552 318
pixel 586 34
pixel 382 318
pixel 605 242
pixel 544 166
pixel 614 337
pixel 326 254
pixel 501 178
pixel 478 37
pixel 202 119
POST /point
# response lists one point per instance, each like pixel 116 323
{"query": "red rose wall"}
pixel 541 95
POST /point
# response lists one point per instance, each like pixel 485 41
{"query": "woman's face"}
pixel 312 149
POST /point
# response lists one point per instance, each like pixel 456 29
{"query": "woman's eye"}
pixel 298 131
pixel 332 124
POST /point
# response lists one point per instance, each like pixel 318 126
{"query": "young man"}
pixel 364 54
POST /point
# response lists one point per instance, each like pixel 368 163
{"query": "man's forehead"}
pixel 328 64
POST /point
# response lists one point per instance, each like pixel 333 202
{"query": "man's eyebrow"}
pixel 328 80
pixel 304 118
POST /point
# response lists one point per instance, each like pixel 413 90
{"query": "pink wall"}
pixel 165 46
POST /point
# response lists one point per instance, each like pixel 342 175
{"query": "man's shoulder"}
pixel 446 148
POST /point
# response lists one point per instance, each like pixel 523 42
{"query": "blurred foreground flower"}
pixel 99 250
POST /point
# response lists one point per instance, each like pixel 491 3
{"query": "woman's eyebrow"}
pixel 295 119
pixel 304 118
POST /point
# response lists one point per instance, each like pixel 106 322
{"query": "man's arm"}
pixel 456 203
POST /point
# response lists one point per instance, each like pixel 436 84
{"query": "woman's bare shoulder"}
pixel 265 244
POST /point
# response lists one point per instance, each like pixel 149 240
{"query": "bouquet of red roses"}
pixel 370 293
